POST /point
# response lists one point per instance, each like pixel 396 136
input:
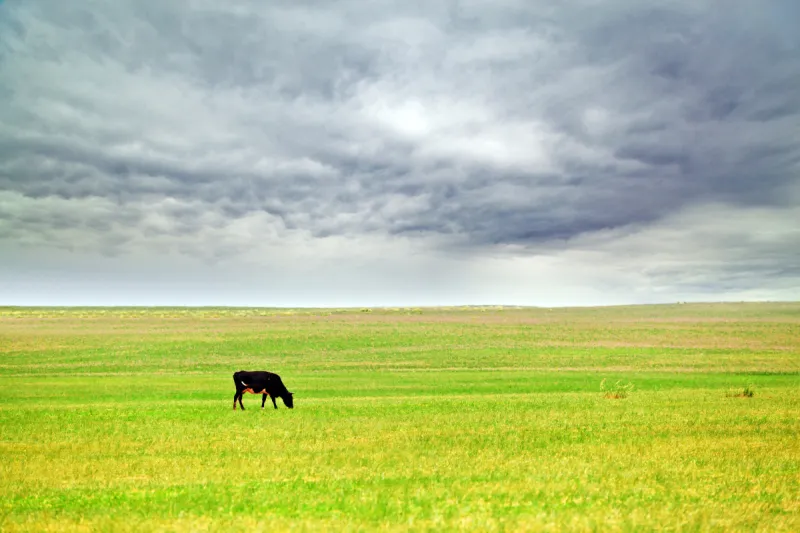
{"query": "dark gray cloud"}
pixel 515 127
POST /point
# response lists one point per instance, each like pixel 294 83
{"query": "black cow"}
pixel 264 383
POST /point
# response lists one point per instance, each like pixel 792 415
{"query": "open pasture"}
pixel 479 419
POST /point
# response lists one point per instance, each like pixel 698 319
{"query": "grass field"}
pixel 477 419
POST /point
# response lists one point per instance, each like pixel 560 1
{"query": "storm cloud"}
pixel 642 150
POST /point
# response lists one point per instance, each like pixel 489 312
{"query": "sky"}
pixel 399 153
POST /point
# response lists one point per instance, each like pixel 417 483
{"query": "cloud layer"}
pixel 657 137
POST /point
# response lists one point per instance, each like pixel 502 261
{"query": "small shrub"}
pixel 745 392
pixel 616 391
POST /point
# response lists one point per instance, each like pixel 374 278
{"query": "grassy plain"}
pixel 477 419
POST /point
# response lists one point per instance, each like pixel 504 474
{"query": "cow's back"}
pixel 259 380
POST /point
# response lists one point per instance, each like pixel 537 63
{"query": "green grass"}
pixel 481 419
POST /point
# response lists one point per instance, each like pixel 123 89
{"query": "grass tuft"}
pixel 744 392
pixel 617 391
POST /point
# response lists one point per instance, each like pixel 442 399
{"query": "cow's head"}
pixel 288 400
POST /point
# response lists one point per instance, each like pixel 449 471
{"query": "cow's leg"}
pixel 263 399
pixel 235 397
pixel 273 401
pixel 240 400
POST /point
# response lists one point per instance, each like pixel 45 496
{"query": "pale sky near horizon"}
pixel 343 153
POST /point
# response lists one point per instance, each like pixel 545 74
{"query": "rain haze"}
pixel 343 153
